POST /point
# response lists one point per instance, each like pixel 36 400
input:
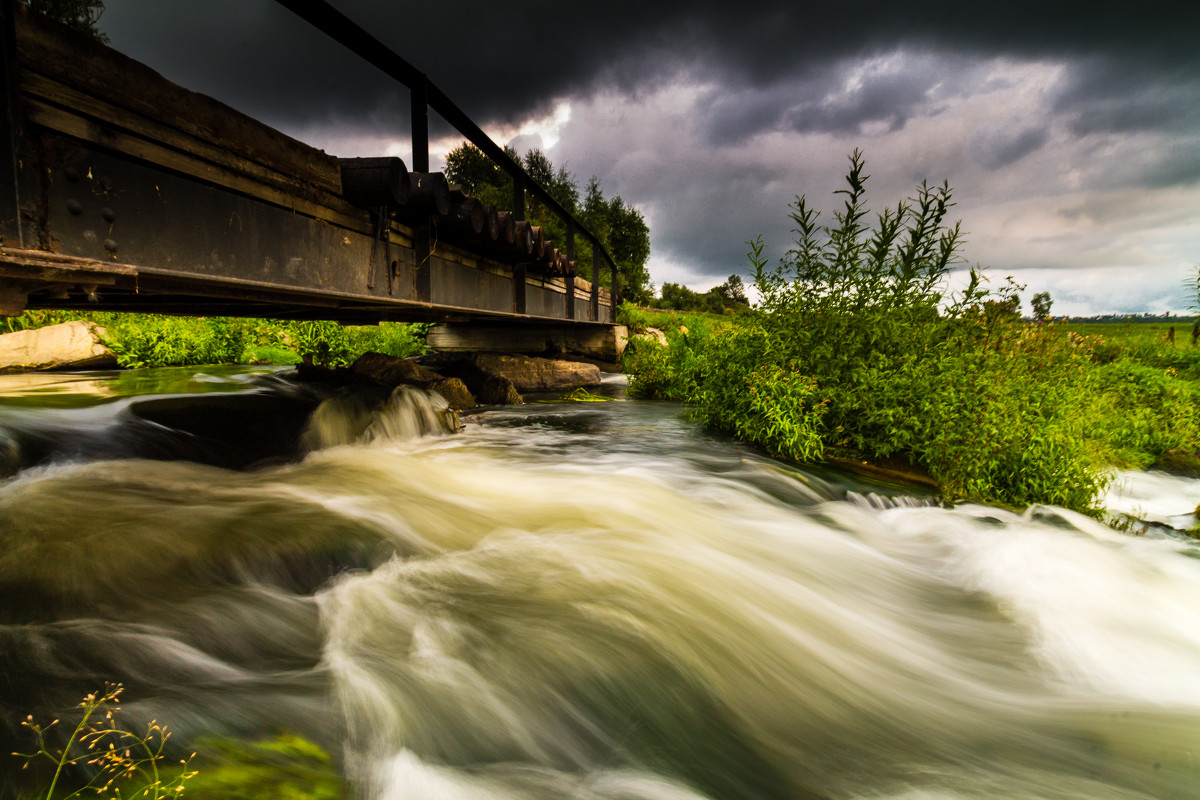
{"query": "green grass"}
pixel 154 340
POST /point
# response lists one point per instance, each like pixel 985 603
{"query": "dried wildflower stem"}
pixel 127 756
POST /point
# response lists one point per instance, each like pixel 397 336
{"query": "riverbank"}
pixel 992 408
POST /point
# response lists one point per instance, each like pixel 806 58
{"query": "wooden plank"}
pixel 61 121
pixel 56 267
pixel 93 69
pixel 79 104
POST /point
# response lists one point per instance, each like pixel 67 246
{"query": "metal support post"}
pixel 613 295
pixel 568 276
pixel 595 298
pixel 518 208
pixel 419 102
pixel 11 233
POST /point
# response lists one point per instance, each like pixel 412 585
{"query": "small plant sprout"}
pixel 121 764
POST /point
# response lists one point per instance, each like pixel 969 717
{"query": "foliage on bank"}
pixel 155 340
pixel 857 350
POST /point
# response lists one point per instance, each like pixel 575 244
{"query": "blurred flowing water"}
pixel 589 600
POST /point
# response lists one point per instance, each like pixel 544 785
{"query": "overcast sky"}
pixel 1070 132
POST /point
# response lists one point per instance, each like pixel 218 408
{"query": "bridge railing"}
pixel 424 96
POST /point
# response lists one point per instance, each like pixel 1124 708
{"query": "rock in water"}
pixel 532 374
pixel 498 391
pixel 455 392
pixel 69 345
pixel 392 371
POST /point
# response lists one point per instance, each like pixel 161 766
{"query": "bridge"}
pixel 122 191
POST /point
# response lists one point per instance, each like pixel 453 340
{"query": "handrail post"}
pixel 568 276
pixel 613 297
pixel 419 102
pixel 518 209
pixel 595 298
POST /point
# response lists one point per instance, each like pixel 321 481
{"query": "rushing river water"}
pixel 589 600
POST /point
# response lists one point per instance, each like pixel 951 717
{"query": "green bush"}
pixel 155 340
pixel 856 350
pixel 150 340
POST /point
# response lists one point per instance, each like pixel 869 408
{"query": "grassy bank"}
pixel 857 351
pixel 154 340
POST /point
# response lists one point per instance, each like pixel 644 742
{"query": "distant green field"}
pixel 1183 328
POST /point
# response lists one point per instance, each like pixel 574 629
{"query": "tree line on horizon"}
pixel 729 296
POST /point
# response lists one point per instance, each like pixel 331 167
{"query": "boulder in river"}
pixel 69 345
pixel 490 378
pixel 533 374
pixel 455 392
pixel 489 389
pixel 392 371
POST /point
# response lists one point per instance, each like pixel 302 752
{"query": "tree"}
pixel 559 183
pixel 467 166
pixel 595 210
pixel 677 297
pixel 732 291
pixel 78 15
pixel 629 244
pixel 619 226
pixel 1041 305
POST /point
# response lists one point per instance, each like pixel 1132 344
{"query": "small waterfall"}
pixel 356 418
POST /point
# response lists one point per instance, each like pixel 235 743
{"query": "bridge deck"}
pixel 127 192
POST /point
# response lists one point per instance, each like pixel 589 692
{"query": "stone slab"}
pixel 69 345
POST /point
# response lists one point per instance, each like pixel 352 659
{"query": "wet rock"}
pixel 501 379
pixel 495 390
pixel 455 392
pixel 490 390
pixel 70 345
pixel 234 431
pixel 533 374
pixel 1179 461
pixel 391 371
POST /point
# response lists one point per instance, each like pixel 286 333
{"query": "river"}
pixel 582 600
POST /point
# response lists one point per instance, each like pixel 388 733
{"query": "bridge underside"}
pixel 126 192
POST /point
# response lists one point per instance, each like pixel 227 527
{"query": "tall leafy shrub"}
pixel 856 349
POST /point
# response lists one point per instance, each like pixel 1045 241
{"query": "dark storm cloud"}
pixel 500 61
pixel 735 112
pixel 997 149
pixel 1108 97
pixel 1177 164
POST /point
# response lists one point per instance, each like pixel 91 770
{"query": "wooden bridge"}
pixel 120 190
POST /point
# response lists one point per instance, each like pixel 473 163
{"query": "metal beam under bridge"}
pixel 122 191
